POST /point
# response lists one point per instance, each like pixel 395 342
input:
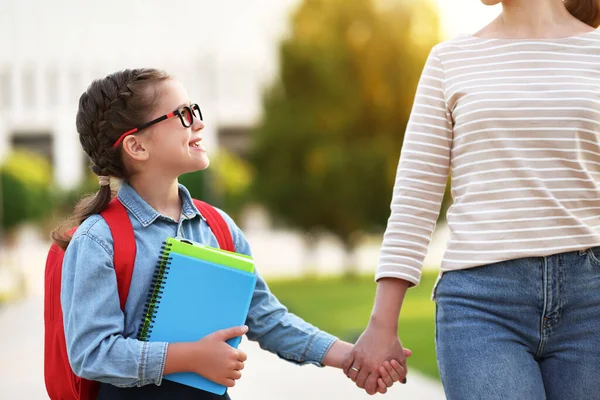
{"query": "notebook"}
pixel 197 290
pixel 208 253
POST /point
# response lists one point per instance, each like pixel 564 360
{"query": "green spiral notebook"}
pixel 196 291
pixel 186 247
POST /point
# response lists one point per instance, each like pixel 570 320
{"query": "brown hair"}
pixel 109 107
pixel 587 11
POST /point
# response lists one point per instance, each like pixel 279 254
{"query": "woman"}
pixel 513 113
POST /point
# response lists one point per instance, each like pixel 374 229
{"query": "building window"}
pixel 5 89
pixel 52 88
pixel 28 86
pixel 75 86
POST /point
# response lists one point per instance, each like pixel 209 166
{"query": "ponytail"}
pixel 87 206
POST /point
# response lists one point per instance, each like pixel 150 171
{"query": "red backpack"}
pixel 61 382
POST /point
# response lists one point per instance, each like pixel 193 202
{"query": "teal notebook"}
pixel 195 296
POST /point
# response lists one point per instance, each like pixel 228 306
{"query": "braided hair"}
pixel 109 107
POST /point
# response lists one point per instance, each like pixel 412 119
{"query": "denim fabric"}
pixel 521 329
pixel 101 338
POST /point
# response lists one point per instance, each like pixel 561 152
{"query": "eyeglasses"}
pixel 186 115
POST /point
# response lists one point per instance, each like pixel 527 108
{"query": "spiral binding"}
pixel 155 293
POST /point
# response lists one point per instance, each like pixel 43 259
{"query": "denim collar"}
pixel 145 214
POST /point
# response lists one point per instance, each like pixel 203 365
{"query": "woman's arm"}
pixel 418 192
pixel 380 341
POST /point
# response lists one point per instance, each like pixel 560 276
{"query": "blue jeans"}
pixel 523 329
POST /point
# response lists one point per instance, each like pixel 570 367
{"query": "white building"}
pixel 223 51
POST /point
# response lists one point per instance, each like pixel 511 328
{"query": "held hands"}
pixel 369 365
pixel 216 360
pixel 389 372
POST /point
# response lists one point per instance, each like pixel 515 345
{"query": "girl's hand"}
pixel 373 348
pixel 390 372
pixel 214 359
pixel 337 353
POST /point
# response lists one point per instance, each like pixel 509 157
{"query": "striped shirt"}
pixel 516 124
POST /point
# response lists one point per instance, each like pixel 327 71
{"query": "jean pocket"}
pixel 594 255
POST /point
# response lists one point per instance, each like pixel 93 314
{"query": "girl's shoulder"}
pixel 236 233
pixel 230 222
pixel 94 228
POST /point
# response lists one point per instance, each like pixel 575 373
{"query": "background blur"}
pixel 305 105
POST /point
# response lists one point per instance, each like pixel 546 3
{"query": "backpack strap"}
pixel 217 225
pixel 121 229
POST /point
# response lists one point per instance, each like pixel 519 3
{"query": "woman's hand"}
pixel 374 347
pixel 390 372
pixel 379 342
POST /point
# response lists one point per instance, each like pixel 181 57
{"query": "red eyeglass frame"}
pixel 179 113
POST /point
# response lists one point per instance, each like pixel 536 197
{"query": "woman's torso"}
pixel 525 150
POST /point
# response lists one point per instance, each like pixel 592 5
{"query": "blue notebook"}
pixel 194 298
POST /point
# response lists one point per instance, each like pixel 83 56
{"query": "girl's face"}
pixel 171 147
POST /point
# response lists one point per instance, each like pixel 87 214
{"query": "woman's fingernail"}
pixel 404 380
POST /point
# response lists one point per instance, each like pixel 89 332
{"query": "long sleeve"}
pixel 94 322
pixel 420 180
pixel 274 327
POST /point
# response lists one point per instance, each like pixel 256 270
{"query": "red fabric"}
pixel 217 225
pixel 118 221
pixel 61 382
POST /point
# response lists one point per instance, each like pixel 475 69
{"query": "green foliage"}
pixel 342 308
pixel 26 180
pixel 447 200
pixel 327 149
pixel 195 183
pixel 66 200
pixel 225 184
pixel 233 179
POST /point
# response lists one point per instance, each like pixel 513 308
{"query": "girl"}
pixel 100 339
pixel 514 111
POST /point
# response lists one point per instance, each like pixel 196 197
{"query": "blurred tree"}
pixel 26 190
pixel 225 184
pixel 195 183
pixel 232 180
pixel 327 149
pixel 65 200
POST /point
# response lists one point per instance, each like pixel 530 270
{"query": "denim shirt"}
pixel 101 339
